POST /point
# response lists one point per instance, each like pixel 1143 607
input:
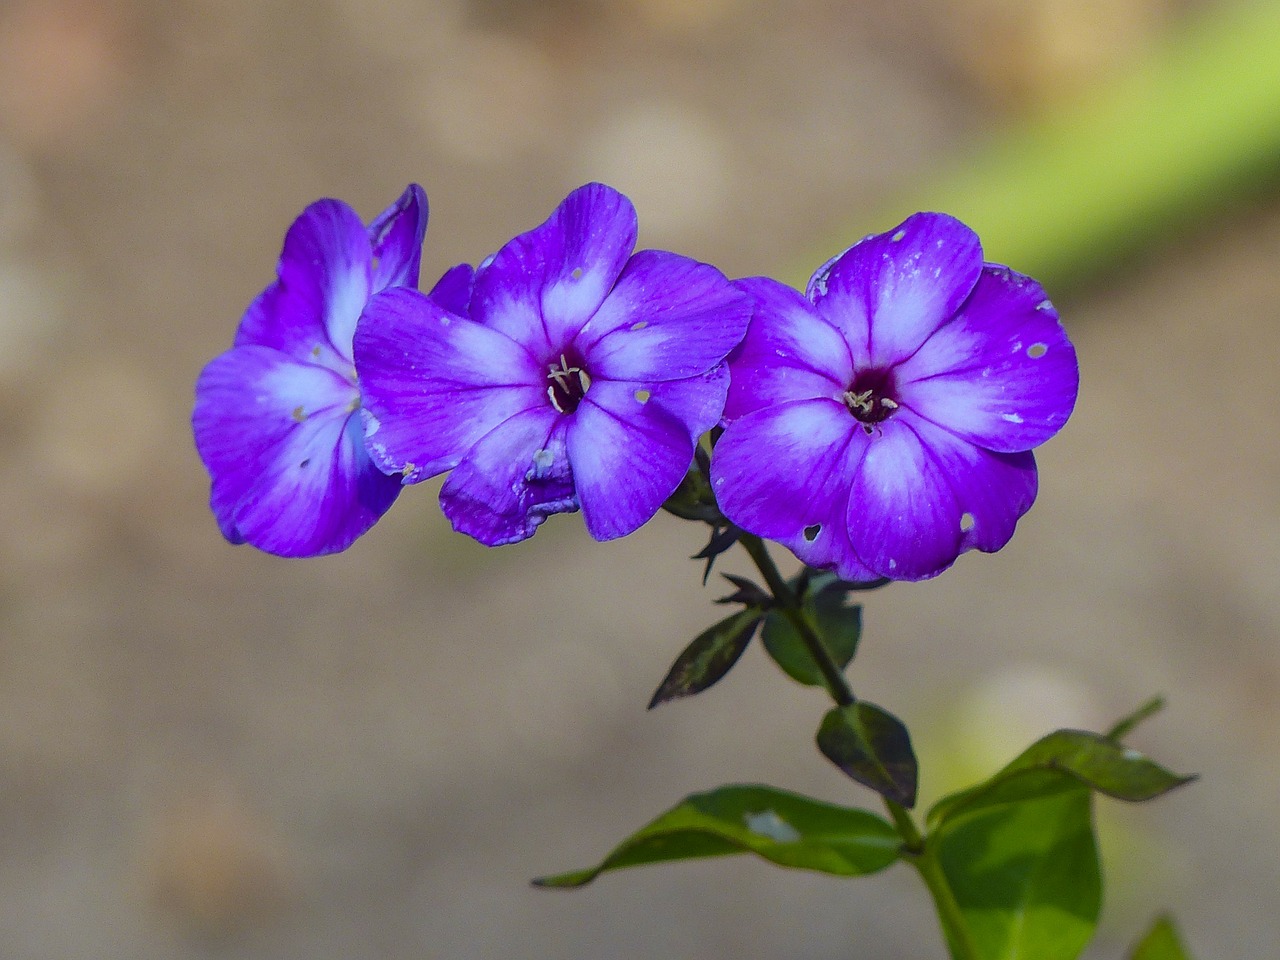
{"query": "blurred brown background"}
pixel 209 753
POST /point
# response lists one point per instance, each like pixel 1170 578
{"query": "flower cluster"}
pixel 879 425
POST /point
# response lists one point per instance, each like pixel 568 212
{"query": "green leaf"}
pixel 784 828
pixel 1022 862
pixel 839 626
pixel 871 746
pixel 1161 943
pixel 1092 759
pixel 709 657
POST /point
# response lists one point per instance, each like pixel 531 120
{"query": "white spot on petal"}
pixel 1044 305
pixel 542 462
pixel 898 236
pixel 642 396
pixel 639 324
pixel 768 824
pixel 1011 417
pixel 1037 350
pixel 966 522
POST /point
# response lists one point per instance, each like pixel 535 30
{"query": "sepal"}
pixel 748 592
pixel 722 539
pixel 693 499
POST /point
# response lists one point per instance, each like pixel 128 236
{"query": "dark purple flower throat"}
pixel 872 397
pixel 567 382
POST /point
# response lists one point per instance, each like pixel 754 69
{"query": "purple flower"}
pixel 276 417
pixel 580 377
pixel 882 424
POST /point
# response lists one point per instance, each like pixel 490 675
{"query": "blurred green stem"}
pixel 921 856
pixel 916 851
pixel 786 601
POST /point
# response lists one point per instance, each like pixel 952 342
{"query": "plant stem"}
pixel 921 856
pixel 786 600
pixel 915 850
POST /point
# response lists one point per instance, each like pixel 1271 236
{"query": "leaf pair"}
pixel 712 653
pixel 1018 851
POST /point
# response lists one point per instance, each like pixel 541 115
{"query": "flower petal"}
pixel 395 236
pixel 1002 373
pixel 790 352
pixel 325 271
pixel 631 444
pixel 667 318
pixel 544 285
pixel 904 519
pixel 434 383
pixel 515 477
pixel 889 292
pixel 993 490
pixel 453 290
pixel 784 472
pixel 287 461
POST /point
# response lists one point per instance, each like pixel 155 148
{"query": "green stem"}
pixel 921 856
pixel 789 604
pixel 916 851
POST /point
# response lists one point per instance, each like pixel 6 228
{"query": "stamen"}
pixel 860 400
pixel 569 385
